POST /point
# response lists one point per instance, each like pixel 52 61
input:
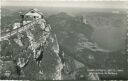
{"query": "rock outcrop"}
pixel 36 54
pixel 31 54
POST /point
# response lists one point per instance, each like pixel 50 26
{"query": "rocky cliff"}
pixel 32 54
pixel 35 54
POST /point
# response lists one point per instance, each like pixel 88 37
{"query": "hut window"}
pixel 32 12
pixel 34 16
pixel 42 16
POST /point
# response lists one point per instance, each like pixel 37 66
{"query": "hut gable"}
pixel 35 13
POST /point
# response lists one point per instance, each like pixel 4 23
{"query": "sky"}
pixel 66 3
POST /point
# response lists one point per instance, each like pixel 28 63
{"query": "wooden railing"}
pixel 5 35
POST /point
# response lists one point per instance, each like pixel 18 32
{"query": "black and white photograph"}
pixel 63 40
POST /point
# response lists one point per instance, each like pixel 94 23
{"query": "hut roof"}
pixel 35 10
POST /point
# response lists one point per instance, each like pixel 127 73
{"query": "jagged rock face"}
pixel 35 52
pixel 35 55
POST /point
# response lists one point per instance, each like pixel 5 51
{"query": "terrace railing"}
pixel 6 35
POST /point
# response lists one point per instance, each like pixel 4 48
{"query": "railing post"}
pixel 10 33
pixel 23 28
pixel 17 30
